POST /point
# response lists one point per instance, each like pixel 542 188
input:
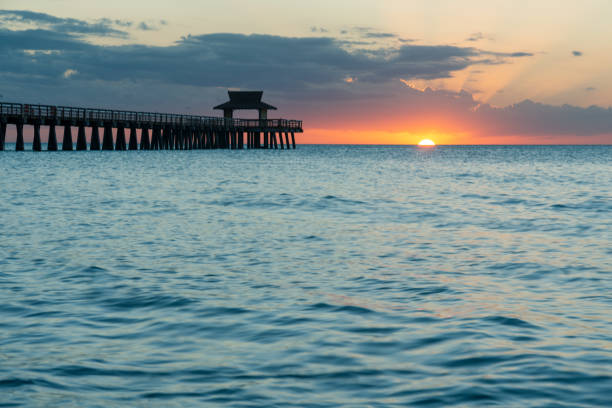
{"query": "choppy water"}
pixel 325 276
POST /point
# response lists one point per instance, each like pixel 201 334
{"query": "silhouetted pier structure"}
pixel 158 131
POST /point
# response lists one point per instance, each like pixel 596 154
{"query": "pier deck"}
pixel 147 130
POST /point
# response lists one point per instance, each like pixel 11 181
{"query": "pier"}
pixel 129 130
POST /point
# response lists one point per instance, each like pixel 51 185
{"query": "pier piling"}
pixel 67 141
pixel 81 140
pixel 133 141
pixel 95 138
pixel 52 141
pixel 120 142
pixel 107 138
pixel 2 134
pixel 144 138
pixel 36 144
pixel 19 145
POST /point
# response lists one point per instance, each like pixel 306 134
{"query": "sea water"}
pixel 325 276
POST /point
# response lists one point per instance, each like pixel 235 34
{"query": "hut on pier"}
pixel 245 100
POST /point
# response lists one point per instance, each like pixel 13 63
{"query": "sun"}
pixel 427 142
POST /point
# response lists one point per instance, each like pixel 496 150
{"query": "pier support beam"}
pixel 107 139
pixel 195 137
pixel 144 138
pixel 293 139
pixel 2 134
pixel 52 140
pixel 133 140
pixel 176 138
pixel 67 141
pixel 95 138
pixel 274 140
pixel 280 137
pixel 36 144
pixel 154 138
pixel 81 140
pixel 120 142
pixel 163 136
pixel 168 139
pixel 287 139
pixel 19 145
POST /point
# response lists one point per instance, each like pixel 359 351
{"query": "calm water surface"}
pixel 324 276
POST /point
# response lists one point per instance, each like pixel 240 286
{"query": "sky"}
pixel 355 71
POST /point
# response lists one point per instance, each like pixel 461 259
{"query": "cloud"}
pixel 379 35
pixel 63 25
pixel 315 29
pixel 374 34
pixel 322 79
pixel 577 53
pixel 528 117
pixel 411 109
pixel 234 60
pixel 145 27
pixel 70 72
pixel 590 89
pixel 475 37
pixel 520 54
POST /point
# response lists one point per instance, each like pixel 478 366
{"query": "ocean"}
pixel 327 276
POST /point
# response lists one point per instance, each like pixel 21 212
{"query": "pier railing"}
pixel 66 113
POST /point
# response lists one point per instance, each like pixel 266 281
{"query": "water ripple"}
pixel 390 276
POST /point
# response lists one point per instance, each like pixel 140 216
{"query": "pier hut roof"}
pixel 245 100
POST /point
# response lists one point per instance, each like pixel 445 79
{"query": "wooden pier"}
pixel 158 131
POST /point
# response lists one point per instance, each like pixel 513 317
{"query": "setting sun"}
pixel 427 142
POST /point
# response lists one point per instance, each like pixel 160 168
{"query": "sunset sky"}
pixel 356 71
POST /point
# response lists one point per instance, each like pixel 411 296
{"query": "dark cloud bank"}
pixel 59 61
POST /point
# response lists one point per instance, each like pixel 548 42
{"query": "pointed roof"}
pixel 245 100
